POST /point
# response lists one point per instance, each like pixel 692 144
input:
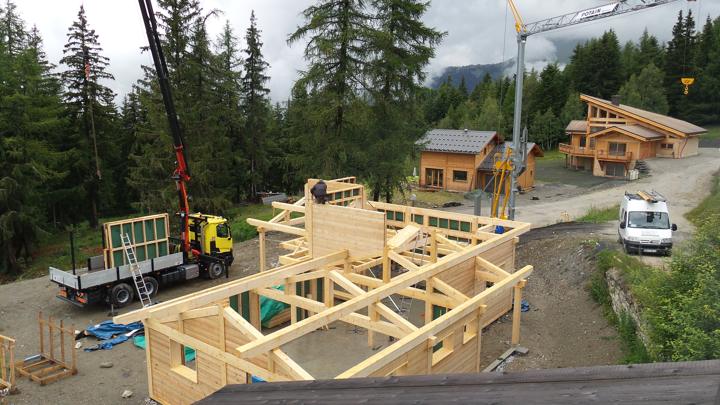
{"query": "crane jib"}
pixel 596 11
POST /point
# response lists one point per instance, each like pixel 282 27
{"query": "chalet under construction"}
pixel 351 261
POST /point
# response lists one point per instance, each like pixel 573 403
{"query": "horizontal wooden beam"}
pixel 433 298
pixel 192 314
pixel 491 267
pixel 272 226
pixel 449 290
pixel 288 207
pixel 397 284
pixel 403 261
pixel 217 293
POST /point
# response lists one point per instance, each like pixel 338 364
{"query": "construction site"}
pixel 338 297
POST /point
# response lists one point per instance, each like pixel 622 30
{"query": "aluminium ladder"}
pixel 137 275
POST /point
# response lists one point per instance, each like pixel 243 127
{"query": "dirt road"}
pixel 21 301
pixel 684 182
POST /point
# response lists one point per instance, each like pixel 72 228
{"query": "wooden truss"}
pixel 350 257
pixel 52 363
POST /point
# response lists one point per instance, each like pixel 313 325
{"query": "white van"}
pixel 645 223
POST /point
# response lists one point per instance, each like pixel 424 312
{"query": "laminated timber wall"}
pixel 455 264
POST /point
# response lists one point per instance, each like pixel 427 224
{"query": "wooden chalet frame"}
pixel 449 261
pixel 49 365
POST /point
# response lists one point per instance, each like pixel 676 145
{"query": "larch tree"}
pixel 255 107
pixel 402 46
pixel 89 106
pixel 337 51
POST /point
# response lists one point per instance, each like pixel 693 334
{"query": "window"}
pixel 616 149
pixel 592 143
pixel 183 360
pixel 434 177
pixel 443 349
pixel 470 331
pixel 648 220
pixel 615 169
pixel 666 146
pixel 223 231
pixel 583 141
pixel 459 175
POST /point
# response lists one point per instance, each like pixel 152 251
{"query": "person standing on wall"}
pixel 319 192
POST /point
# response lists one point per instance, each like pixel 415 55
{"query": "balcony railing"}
pixel 624 156
pixel 576 150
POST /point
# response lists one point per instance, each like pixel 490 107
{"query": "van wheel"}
pixel 121 294
pixel 151 286
pixel 215 270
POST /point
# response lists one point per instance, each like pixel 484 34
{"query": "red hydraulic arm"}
pixel 181 175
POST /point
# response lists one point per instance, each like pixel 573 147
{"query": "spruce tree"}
pixel 255 107
pixel 678 62
pixel 645 90
pixel 89 106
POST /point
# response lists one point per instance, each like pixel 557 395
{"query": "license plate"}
pixel 651 250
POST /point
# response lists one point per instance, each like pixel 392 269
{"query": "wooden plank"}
pixel 449 290
pixel 399 283
pixel 402 237
pixel 517 311
pixel 272 226
pixel 214 294
pixel 288 207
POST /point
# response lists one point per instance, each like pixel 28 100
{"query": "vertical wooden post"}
pixel 74 352
pixel 11 366
pixel 50 338
pixel 308 219
pixel 222 343
pixel 328 292
pixel 428 304
pixel 479 341
pixel 374 316
pixel 517 310
pixel 62 343
pixel 433 246
pixel 42 335
pixel 148 359
pixel 290 290
pixel 386 265
pixel 261 233
pixel 255 310
pixel 3 361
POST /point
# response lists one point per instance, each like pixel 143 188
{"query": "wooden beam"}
pixel 409 342
pixel 277 355
pixel 288 207
pixel 399 283
pixel 191 314
pixel 402 237
pixel 449 290
pixel 491 267
pixel 381 308
pixel 214 294
pixel 272 226
pixel 418 294
pixel 517 311
pixel 404 261
pixel 453 245
pixel 308 276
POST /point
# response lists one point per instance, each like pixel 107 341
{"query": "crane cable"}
pixel 686 80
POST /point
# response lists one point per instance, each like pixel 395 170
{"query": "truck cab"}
pixel 211 236
pixel 645 223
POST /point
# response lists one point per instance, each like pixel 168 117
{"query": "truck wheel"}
pixel 151 286
pixel 215 270
pixel 121 294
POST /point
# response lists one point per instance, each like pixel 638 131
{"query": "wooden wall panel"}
pixel 335 228
pixel 502 256
pixel 461 277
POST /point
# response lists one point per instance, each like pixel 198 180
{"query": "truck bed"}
pixel 87 279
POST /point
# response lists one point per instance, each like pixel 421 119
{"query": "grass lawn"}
pixel 599 215
pixel 428 198
pixel 709 206
pixel 713 132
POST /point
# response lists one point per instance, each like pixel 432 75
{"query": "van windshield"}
pixel 648 220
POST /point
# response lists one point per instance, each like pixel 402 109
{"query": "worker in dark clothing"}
pixel 319 191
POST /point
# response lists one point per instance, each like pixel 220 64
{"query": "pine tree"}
pixel 645 90
pixel 255 107
pixel 545 129
pixel 12 30
pixel 462 87
pixel 573 109
pixel 551 91
pixel 89 106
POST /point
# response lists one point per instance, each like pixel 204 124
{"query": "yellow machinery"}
pixel 210 236
pixel 502 168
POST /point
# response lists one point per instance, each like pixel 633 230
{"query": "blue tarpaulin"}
pixel 106 330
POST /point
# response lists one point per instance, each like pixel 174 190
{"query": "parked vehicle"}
pixel 645 225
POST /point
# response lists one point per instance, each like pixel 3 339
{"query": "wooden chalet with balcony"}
pixel 614 137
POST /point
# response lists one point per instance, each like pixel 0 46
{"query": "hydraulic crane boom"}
pixel 181 175
pixel 554 23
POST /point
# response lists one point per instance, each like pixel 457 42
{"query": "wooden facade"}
pixel 462 161
pixel 452 262
pixel 613 137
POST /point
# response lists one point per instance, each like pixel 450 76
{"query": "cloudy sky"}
pixel 477 30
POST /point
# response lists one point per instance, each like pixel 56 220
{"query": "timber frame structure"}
pixel 349 260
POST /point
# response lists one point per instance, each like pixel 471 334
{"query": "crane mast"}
pixel 549 24
pixel 181 174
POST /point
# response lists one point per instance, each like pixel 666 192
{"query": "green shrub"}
pixel 634 349
pixel 709 206
pixel 598 215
